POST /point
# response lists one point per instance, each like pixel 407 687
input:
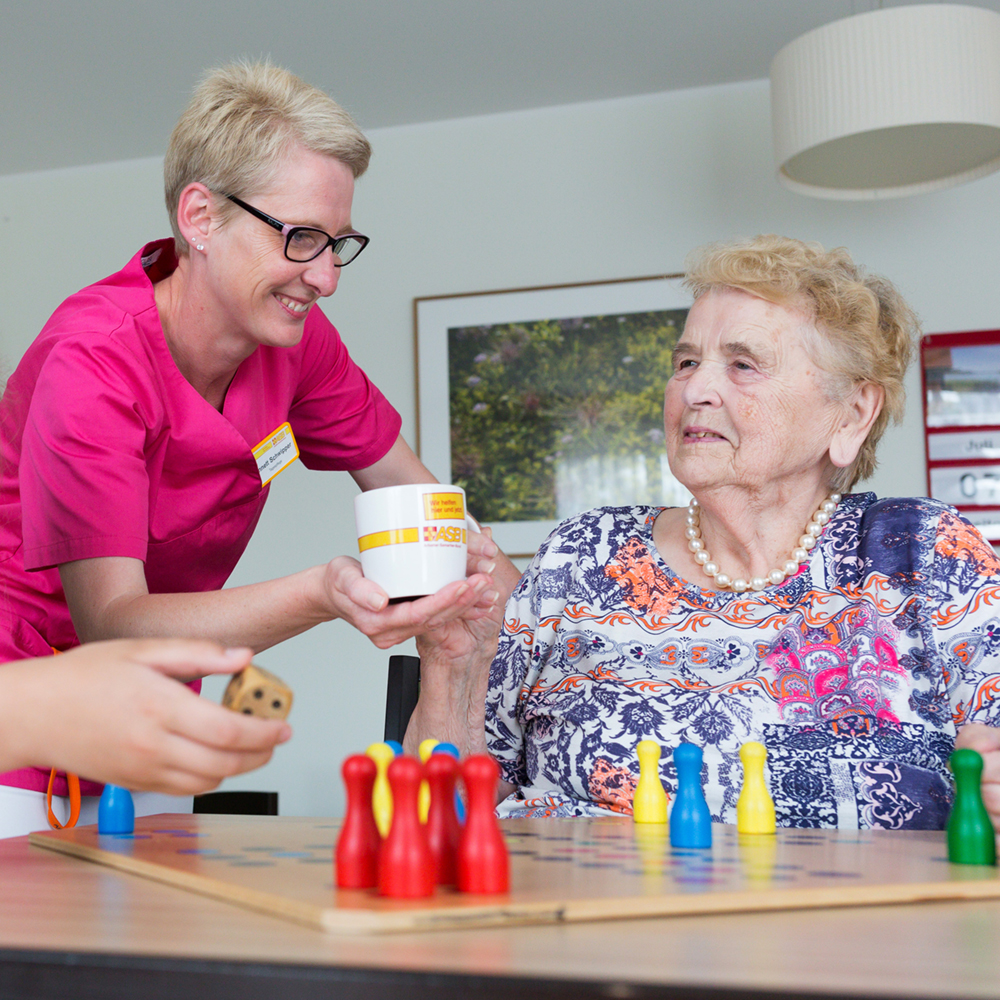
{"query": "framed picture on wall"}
pixel 961 388
pixel 542 402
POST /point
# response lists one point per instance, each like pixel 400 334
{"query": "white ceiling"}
pixel 91 81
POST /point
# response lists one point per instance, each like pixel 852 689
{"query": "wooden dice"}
pixel 256 691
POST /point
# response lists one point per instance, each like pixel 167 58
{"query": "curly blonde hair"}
pixel 240 124
pixel 867 330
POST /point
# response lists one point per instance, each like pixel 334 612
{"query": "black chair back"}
pixel 402 691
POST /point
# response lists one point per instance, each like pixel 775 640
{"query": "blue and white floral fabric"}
pixel 855 673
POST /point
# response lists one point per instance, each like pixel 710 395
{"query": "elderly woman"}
pixel 141 429
pixel 851 636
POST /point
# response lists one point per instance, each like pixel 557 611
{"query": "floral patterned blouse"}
pixel 854 674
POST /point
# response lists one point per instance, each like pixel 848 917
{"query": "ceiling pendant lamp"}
pixel 892 102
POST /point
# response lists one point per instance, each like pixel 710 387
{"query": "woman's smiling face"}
pixel 747 406
pixel 265 296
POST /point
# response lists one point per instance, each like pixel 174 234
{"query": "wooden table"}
pixel 72 929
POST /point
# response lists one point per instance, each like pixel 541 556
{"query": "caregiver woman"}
pixel 129 485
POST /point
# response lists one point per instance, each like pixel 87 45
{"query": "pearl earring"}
pixel 200 246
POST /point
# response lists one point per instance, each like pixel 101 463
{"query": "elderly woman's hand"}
pixel 454 676
pixel 454 671
pixel 985 740
pixel 485 556
pixel 366 606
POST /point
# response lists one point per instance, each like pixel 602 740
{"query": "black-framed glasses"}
pixel 303 243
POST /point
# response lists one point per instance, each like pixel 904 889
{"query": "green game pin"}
pixel 971 840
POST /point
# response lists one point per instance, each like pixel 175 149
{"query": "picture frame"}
pixel 960 382
pixel 496 374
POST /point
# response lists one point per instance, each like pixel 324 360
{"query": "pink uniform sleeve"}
pixel 83 478
pixel 340 418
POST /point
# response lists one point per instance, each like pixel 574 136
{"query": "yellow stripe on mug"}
pixel 398 536
pixel 448 506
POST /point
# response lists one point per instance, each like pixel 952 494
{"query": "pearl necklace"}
pixel 791 565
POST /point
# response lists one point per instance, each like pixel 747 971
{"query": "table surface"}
pixel 69 928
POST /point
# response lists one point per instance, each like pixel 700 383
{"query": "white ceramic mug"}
pixel 412 539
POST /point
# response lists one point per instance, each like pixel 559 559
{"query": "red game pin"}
pixel 443 828
pixel 359 842
pixel 406 868
pixel 483 864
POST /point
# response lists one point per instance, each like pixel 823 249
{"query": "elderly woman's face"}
pixel 265 296
pixel 746 405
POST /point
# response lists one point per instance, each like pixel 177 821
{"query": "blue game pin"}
pixel 115 811
pixel 690 820
pixel 397 747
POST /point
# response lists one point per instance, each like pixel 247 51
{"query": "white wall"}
pixel 585 192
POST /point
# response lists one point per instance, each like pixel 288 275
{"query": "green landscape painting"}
pixel 551 417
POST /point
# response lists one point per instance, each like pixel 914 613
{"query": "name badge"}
pixel 275 453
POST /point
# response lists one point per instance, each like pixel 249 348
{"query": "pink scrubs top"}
pixel 107 450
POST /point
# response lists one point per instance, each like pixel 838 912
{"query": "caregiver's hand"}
pixel 116 712
pixel 366 605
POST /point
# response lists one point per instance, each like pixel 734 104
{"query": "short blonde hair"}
pixel 240 124
pixel 867 330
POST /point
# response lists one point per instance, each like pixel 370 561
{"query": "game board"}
pixel 561 870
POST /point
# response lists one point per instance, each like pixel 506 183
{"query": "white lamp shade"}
pixel 892 102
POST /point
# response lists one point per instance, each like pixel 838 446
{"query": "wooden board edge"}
pixel 346 921
pixel 349 921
